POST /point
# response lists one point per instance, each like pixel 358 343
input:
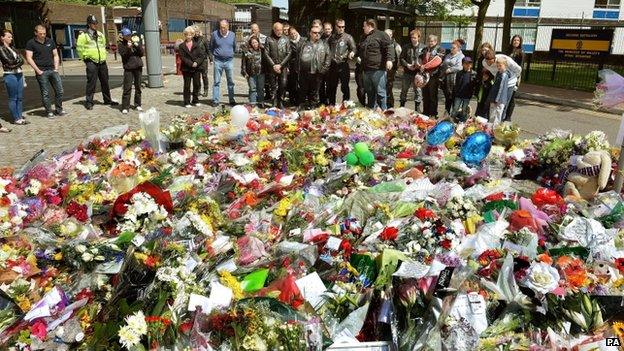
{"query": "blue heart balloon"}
pixel 440 133
pixel 476 148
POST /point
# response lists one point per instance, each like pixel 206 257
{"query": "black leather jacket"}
pixel 314 57
pixel 295 49
pixel 411 55
pixel 251 64
pixel 277 50
pixel 375 50
pixel 341 45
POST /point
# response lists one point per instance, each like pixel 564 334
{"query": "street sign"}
pixel 580 44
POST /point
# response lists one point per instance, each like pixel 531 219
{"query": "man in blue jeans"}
pixel 222 47
pixel 42 56
pixel 376 55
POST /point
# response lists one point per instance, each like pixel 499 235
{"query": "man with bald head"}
pixel 277 55
pixel 255 32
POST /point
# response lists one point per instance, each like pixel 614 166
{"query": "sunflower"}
pixel 618 328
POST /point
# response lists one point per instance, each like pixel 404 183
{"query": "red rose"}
pixel 39 329
pixel 78 211
pixel 424 213
pixel 619 264
pixel 446 244
pixel 186 327
pixel 389 233
pixel 406 154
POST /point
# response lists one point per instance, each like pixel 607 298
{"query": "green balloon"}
pixel 352 159
pixel 367 159
pixel 360 147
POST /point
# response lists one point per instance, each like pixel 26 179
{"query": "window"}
pixel 607 4
pixel 530 3
pixel 451 32
pixel 527 32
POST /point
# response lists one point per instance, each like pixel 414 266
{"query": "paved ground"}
pixel 64 133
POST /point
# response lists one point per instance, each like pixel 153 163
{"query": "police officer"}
pixel 277 55
pixel 342 47
pixel 91 47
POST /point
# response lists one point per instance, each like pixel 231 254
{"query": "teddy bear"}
pixel 587 174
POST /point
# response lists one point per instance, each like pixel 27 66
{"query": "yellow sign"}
pixel 571 44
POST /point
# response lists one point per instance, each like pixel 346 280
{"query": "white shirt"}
pixel 515 71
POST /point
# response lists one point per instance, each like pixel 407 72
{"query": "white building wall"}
pixel 567 8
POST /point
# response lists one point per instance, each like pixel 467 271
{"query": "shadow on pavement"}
pixel 73 87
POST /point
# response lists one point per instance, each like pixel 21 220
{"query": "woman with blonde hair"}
pixel 193 57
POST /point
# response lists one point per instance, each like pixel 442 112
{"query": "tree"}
pixel 483 7
pixel 509 5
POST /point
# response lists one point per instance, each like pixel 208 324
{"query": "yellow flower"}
pixel 264 145
pixel 283 207
pixel 264 132
pixel 140 256
pixel 400 165
pixel 618 328
pixel 230 281
pixel 23 302
pixel 618 283
pixel 58 256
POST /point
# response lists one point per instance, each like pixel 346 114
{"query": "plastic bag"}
pixel 110 132
pixel 150 123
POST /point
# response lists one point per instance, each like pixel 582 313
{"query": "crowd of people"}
pixel 286 69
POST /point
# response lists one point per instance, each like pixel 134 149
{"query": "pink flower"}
pixel 39 329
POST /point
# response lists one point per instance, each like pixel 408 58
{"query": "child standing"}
pixel 465 81
pixel 499 93
pixel 483 109
pixel 251 69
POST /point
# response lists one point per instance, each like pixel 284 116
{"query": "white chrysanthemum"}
pixel 137 323
pixel 275 153
pixel 3 184
pixel 199 224
pixel 33 187
pixel 128 337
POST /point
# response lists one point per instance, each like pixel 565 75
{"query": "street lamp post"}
pixel 152 44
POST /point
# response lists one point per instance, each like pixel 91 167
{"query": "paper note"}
pixel 411 270
pixel 201 301
pixel 109 267
pixel 228 266
pixel 472 308
pixel 312 288
pixel 220 295
pixel 333 243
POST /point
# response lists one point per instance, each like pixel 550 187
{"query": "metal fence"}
pixel 538 68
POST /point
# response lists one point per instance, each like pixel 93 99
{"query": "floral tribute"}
pixel 265 237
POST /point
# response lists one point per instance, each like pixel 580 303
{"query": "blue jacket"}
pixel 500 91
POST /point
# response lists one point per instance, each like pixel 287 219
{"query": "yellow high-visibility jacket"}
pixel 91 49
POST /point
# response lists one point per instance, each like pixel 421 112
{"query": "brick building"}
pixel 66 20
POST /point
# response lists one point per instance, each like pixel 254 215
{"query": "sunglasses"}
pixel 340 26
pixel 316 33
